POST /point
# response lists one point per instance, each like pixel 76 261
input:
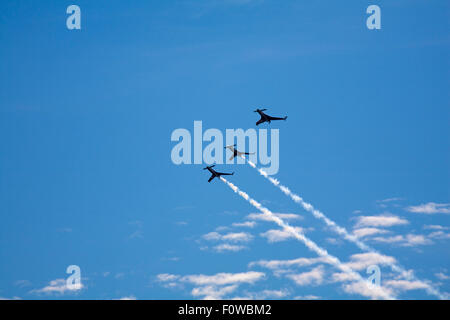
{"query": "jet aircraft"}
pixel 265 117
pixel 235 152
pixel 215 174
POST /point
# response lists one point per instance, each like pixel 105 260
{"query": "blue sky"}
pixel 86 117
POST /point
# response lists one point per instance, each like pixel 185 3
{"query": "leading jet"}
pixel 235 152
pixel 215 174
pixel 265 117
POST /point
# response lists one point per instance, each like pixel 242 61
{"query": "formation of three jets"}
pixel 264 118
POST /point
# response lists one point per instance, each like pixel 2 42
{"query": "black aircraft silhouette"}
pixel 215 174
pixel 265 117
pixel 235 152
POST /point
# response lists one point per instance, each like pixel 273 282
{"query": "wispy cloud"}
pixel 213 292
pixel 439 235
pixel 361 261
pixel 405 285
pixel 435 227
pixel 248 224
pixel 264 295
pixel 430 208
pixel 231 237
pixel 224 278
pixel 284 216
pixel 369 290
pixel 389 201
pixel 128 298
pixel 442 276
pixel 164 277
pixel 22 283
pixel 364 232
pixel 380 221
pixel 212 286
pixel 138 233
pixel 312 277
pixel 277 235
pixel 408 240
pixel 58 286
pixel 280 264
pixel 228 247
pixel 307 297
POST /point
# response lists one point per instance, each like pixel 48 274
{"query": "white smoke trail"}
pixel 377 291
pixel 343 232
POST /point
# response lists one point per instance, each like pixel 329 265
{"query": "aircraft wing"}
pixel 260 121
pixel 212 177
pixel 276 118
pixel 226 174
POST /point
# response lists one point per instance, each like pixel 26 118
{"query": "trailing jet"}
pixel 235 152
pixel 265 117
pixel 215 174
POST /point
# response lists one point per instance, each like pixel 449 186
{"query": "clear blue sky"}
pixel 85 123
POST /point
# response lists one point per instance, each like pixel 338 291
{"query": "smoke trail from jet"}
pixel 343 232
pixel 377 291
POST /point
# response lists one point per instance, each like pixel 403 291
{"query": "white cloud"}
pixel 442 276
pixel 405 285
pixel 249 224
pixel 22 283
pixel 164 277
pixel 364 232
pixel 267 294
pixel 264 217
pixel 224 278
pixel 264 295
pixel 119 275
pixel 439 235
pixel 232 237
pixel 416 239
pixel 172 259
pixel 276 235
pixel 430 208
pixel 389 200
pixel 342 277
pixel 380 221
pixel 361 261
pixel 333 241
pixel 128 298
pixel 213 292
pixel 409 240
pixel 386 202
pixel 212 286
pixel 279 264
pixel 212 236
pixel 435 227
pixel 313 277
pixel 237 237
pixel 58 286
pixel 307 297
pixel 228 247
pixel 368 290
